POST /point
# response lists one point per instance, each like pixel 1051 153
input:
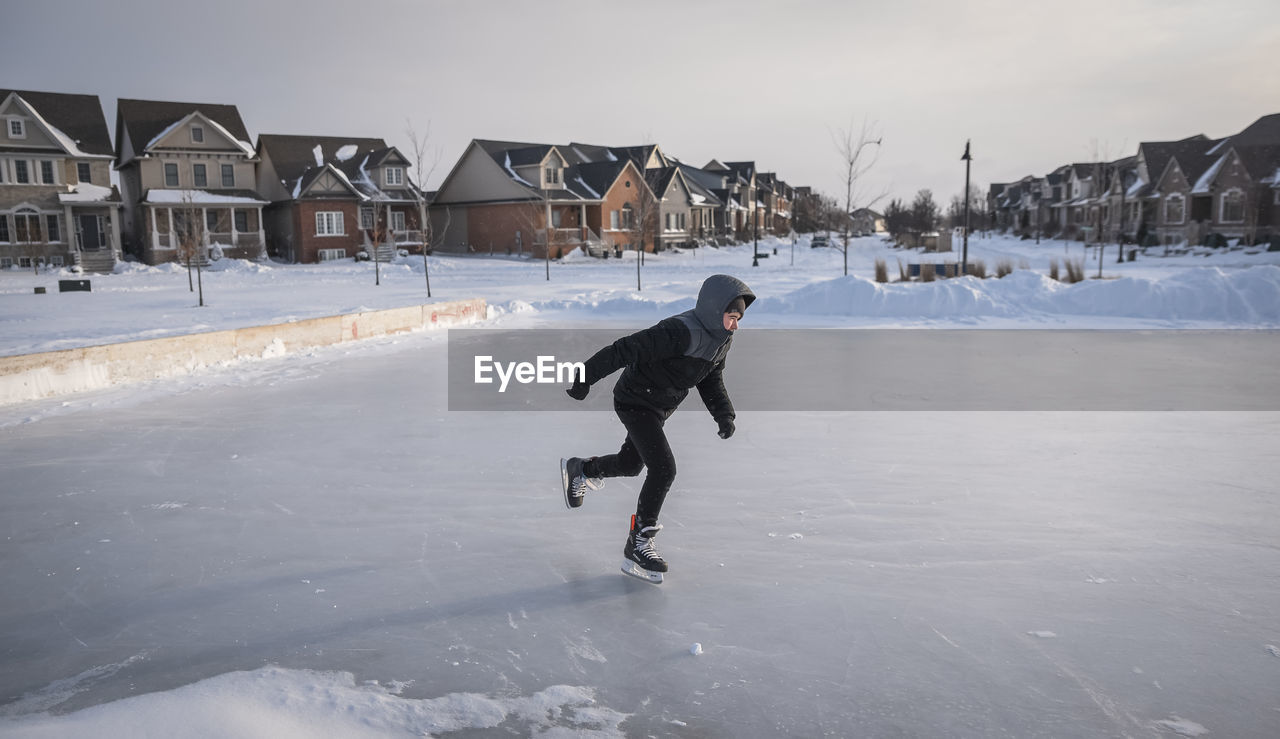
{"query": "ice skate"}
pixel 575 483
pixel 641 556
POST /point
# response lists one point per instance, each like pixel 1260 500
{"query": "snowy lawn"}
pixel 314 545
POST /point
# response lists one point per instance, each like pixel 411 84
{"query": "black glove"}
pixel 726 427
pixel 579 390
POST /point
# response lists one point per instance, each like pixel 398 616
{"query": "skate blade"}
pixel 564 481
pixel 640 573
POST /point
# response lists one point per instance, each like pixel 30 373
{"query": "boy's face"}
pixel 731 320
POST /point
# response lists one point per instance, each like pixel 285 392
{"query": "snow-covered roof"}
pixel 244 146
pixel 1206 179
pixel 66 142
pixel 87 193
pixel 507 166
pixel 202 197
pixel 346 152
pixel 591 191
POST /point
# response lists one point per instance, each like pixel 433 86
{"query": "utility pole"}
pixel 964 259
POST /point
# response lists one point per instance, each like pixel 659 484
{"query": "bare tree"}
pixel 854 165
pixel 189 236
pixel 420 160
pixel 644 217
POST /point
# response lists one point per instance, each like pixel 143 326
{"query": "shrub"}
pixel 978 268
pixel 902 272
pixel 926 272
pixel 882 271
pixel 1215 241
pixel 1053 270
pixel 1004 267
pixel 1075 271
pixel 1151 240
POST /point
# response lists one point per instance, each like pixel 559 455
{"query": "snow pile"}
pixel 1250 296
pixel 276 703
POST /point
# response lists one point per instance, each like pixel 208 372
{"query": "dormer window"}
pixel 395 176
pixel 197 134
pixel 17 128
pixel 554 175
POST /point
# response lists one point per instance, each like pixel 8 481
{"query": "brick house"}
pixel 334 197
pixel 187 173
pixel 57 204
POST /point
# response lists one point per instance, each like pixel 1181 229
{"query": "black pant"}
pixel 645 447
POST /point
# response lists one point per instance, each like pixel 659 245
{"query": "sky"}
pixel 1032 85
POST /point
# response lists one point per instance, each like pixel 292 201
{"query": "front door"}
pixel 90 235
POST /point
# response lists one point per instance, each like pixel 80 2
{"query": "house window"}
pixel 170 175
pixel 26 227
pixel 197 134
pixel 4 229
pixel 211 221
pixel 17 128
pixel 366 218
pixel 1232 206
pixel 84 172
pixel 54 227
pixel 228 175
pixel 395 176
pixel 613 220
pixel 329 223
pixel 397 221
pixel 200 175
pixel 56 260
pixel 242 221
pixel 46 172
pixel 330 255
pixel 1173 209
pixel 628 217
pixel 553 176
pixel 20 173
pixel 6 262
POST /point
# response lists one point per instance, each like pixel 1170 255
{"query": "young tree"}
pixel 854 165
pixel 189 236
pixel 643 225
pixel 420 160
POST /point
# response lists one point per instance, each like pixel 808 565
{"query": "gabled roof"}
pixel 591 181
pixel 1261 162
pixel 1263 132
pixel 295 156
pixel 1156 154
pixel 144 120
pixel 78 117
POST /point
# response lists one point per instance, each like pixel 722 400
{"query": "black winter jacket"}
pixel 663 362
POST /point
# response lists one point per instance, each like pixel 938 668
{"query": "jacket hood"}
pixel 716 294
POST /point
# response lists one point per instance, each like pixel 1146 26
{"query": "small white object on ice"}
pixel 696 649
pixel 1182 726
pixel 1043 634
pixel 1275 651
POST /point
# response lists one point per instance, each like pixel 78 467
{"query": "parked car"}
pixel 819 240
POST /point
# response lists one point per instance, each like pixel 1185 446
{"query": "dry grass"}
pixel 978 268
pixel 1004 267
pixel 882 271
pixel 1075 271
pixel 926 272
pixel 902 272
pixel 1053 270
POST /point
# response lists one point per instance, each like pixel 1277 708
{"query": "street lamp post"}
pixel 964 259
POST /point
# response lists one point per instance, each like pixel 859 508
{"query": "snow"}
pixel 1206 179
pixel 588 188
pixel 315 545
pixel 318 153
pixel 70 145
pixel 345 152
pixel 506 164
pixel 165 197
pixel 85 193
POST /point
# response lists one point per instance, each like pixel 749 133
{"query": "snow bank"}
pixel 1250 296
pixel 276 703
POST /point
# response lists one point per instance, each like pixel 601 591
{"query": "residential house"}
pixel 335 197
pixel 867 221
pixel 187 178
pixel 752 210
pixel 57 204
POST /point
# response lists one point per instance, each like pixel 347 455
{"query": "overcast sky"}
pixel 1033 84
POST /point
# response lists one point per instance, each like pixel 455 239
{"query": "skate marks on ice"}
pixel 60 691
pixel 1126 723
pixel 278 703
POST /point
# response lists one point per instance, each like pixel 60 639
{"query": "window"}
pixel 329 223
pixel 628 217
pixel 1173 210
pixel 242 221
pixel 329 255
pixel 211 221
pixel 613 220
pixel 4 165
pixel 4 229
pixel 56 260
pixel 228 175
pixel 1232 206
pixel 197 135
pixel 200 174
pixel 84 172
pixel 553 176
pixel 54 229
pixel 17 128
pixel 366 218
pixel 397 220
pixel 6 262
pixel 46 172
pixel 20 174
pixel 170 175
pixel 395 176
pixel 26 227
